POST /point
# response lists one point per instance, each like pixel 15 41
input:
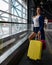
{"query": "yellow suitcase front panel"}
pixel 34 51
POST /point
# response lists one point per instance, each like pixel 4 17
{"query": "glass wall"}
pixel 13 17
pixel 13 26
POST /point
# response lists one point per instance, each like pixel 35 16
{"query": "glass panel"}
pixel 7 28
pixel 15 12
pixel 4 29
pixel 19 20
pixel 10 29
pixel 20 1
pixel 16 28
pixel 19 13
pixel 4 16
pixel 23 10
pixel 19 7
pixel 4 19
pixel 7 0
pixel 24 21
pixel 4 5
pixel 26 11
pixel 24 16
pixel 16 3
pixel 24 27
pixel 14 19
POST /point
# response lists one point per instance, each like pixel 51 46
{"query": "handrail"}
pixel 11 22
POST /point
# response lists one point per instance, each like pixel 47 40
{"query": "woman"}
pixel 38 28
pixel 45 23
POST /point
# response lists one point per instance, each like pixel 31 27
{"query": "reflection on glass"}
pixel 20 1
pixel 19 16
pixel 16 28
pixel 4 5
pixel 19 7
pixel 6 29
pixel 24 16
pixel 24 10
pixel 5 15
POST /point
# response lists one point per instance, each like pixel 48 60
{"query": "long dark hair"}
pixel 40 9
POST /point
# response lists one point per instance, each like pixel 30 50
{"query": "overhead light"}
pixel 41 3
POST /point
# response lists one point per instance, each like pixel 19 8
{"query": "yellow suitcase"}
pixel 34 50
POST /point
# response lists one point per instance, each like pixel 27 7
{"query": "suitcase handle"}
pixel 36 37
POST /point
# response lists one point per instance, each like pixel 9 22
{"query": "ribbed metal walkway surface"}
pixel 46 60
pixel 46 57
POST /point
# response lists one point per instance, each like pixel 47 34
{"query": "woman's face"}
pixel 38 11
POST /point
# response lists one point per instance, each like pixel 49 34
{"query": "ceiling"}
pixel 46 6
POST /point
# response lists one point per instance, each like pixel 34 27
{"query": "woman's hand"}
pixel 39 35
pixel 39 32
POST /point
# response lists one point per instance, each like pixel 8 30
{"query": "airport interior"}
pixel 15 27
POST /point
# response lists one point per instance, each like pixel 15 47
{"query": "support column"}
pixel 29 15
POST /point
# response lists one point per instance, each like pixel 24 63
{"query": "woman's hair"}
pixel 38 7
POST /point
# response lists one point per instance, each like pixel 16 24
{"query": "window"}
pixel 13 20
pixel 14 12
pixel 24 16
pixel 19 7
pixel 4 29
pixel 20 1
pixel 4 5
pixel 24 10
